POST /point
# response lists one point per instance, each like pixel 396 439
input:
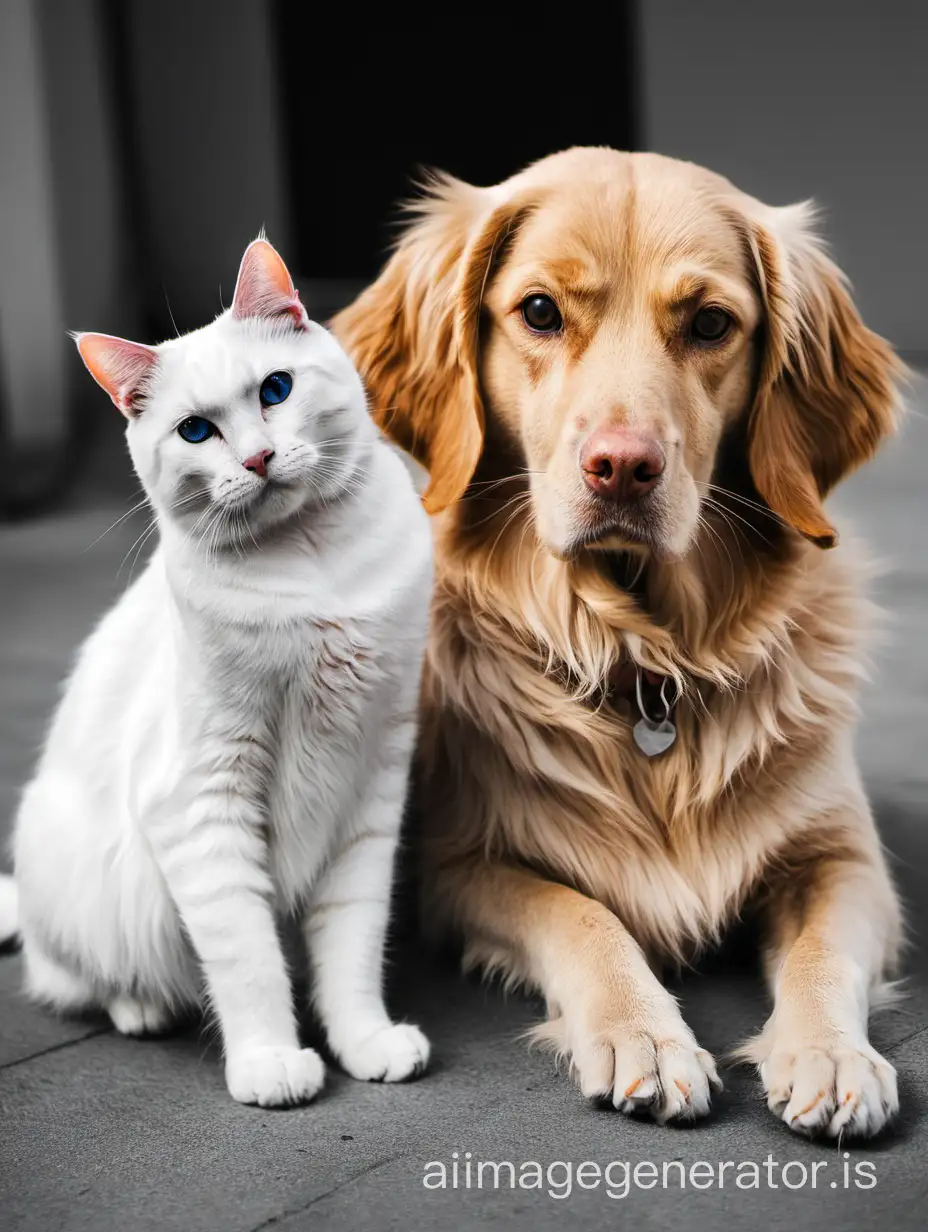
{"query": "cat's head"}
pixel 242 423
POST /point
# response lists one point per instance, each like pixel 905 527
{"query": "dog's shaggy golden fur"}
pixel 564 857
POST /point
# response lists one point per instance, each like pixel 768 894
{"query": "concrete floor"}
pixel 99 1132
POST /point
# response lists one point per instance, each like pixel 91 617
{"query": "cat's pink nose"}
pixel 258 462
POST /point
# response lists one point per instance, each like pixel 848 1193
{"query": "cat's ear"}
pixel 265 288
pixel 120 367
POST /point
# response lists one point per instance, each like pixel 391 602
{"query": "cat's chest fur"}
pixel 323 711
pixel 313 659
pixel 326 724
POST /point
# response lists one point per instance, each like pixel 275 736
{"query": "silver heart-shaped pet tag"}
pixel 654 738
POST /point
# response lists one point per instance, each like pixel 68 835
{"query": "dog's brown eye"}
pixel 710 325
pixel 540 313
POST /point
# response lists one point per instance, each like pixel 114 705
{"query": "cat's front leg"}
pixel 214 858
pixel 345 928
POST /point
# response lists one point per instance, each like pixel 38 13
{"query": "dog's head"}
pixel 607 320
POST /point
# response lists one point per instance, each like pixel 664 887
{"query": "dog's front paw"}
pixel 832 1089
pixel 657 1069
pixel 669 1078
pixel 274 1077
pixel 389 1054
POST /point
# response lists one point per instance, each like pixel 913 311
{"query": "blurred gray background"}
pixel 142 144
pixel 819 99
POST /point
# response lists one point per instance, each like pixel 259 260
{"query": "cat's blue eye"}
pixel 275 388
pixel 196 429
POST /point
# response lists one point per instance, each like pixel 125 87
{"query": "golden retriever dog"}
pixel 632 386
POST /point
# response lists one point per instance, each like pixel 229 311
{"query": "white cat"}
pixel 234 743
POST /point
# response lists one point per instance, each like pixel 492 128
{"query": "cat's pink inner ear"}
pixel 118 366
pixel 265 288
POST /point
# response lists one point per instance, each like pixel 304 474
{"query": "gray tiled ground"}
pixel 98 1132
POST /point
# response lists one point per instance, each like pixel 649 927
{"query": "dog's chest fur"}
pixel 631 831
pixel 675 844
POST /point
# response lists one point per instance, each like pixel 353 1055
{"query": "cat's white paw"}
pixel 275 1077
pixel 389 1055
pixel 131 1016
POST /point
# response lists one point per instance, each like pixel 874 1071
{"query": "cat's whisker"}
pixel 137 548
pixel 245 529
pixel 191 496
pixel 170 312
pixel 149 527
pixel 203 516
pixel 122 518
pixel 252 533
pixel 213 531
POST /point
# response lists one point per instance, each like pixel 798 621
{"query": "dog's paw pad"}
pixel 833 1091
pixel 670 1079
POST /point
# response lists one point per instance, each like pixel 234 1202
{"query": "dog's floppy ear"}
pixel 826 393
pixel 414 333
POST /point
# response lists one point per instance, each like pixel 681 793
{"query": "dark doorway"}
pixel 371 97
